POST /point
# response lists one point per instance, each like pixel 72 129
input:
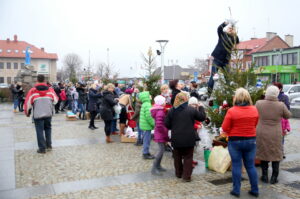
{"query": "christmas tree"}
pixel 152 79
pixel 226 83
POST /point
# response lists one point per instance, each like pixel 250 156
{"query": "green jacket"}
pixel 146 121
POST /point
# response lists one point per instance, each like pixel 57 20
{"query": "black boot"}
pixel 264 169
pixel 79 115
pixel 275 172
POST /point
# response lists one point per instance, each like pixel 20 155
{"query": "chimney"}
pixel 15 38
pixel 270 35
pixel 253 38
pixel 289 39
pixel 7 40
pixel 43 49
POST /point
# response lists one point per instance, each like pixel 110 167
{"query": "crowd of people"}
pixel 173 116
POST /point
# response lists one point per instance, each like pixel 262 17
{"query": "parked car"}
pixel 203 93
pixel 291 90
pixel 295 107
pixel 4 85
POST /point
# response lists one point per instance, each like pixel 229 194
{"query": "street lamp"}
pixel 162 44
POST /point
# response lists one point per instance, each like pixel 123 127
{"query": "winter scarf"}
pixel 181 98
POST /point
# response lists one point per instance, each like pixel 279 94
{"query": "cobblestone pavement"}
pixel 82 165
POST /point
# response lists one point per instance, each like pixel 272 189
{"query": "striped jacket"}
pixel 41 98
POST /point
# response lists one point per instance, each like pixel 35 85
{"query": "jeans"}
pixel 81 108
pixel 146 141
pixel 107 127
pixel 16 103
pixel 214 69
pixel 159 155
pixel 243 150
pixel 113 125
pixel 92 120
pixel 41 125
pixel 140 133
pixel 74 106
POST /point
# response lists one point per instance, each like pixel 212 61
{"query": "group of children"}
pixel 152 117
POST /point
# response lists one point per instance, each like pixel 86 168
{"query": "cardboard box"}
pixel 125 139
pixel 71 117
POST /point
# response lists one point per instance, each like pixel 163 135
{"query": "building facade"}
pixel 12 60
pixel 247 48
pixel 278 65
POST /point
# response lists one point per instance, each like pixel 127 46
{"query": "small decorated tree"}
pixel 151 79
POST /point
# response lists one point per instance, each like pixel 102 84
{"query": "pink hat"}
pixel 159 100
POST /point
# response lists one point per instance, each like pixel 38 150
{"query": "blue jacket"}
pixel 93 99
pixel 284 98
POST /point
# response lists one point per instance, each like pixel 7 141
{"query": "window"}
pixel 295 58
pixel 22 65
pixel 8 51
pixel 8 65
pixel 262 61
pixel 15 65
pixel 284 59
pixel 16 51
pixel 1 65
pixel 9 80
pixel 295 89
pixel 290 59
pixel 1 79
pixel 0 50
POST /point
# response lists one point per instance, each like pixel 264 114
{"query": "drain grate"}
pixel 222 181
pixel 293 170
pixel 295 185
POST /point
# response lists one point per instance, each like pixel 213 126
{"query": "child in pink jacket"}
pixel 160 132
pixel 285 124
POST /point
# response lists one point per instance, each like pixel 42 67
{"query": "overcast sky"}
pixel 129 27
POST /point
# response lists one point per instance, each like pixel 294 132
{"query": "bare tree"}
pixel 100 69
pixel 200 64
pixel 72 63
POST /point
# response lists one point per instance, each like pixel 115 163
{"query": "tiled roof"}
pixel 16 49
pixel 251 46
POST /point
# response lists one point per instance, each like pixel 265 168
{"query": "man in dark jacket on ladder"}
pixel 222 52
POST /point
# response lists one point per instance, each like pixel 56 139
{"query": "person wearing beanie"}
pixel 269 132
pixel 160 133
pixel 181 119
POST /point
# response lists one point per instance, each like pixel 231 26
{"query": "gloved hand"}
pixel 231 21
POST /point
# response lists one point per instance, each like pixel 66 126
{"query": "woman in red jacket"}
pixel 240 125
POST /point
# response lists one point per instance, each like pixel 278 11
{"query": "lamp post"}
pixel 162 44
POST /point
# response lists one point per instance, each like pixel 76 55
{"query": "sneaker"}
pixel 148 156
pixel 41 151
pixel 156 172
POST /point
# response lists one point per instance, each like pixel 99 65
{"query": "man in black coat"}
pixel 180 119
pixel 222 52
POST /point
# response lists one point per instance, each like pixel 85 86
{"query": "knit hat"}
pixel 272 91
pixel 180 98
pixel 159 100
pixel 193 100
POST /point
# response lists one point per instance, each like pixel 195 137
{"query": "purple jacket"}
pixel 160 130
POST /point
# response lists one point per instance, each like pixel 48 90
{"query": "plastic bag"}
pixel 117 108
pixel 129 133
pixel 205 139
pixel 219 159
